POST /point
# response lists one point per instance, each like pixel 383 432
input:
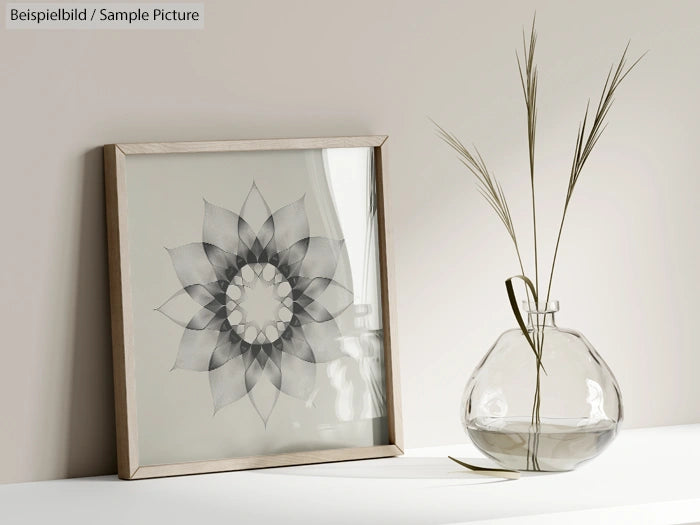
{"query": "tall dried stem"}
pixel 586 140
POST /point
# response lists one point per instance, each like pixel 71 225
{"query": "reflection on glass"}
pixel 360 381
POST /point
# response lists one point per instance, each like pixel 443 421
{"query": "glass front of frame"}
pixel 256 303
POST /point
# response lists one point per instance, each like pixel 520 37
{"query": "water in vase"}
pixel 561 444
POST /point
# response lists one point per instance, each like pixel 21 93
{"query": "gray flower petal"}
pixel 196 347
pixel 179 308
pixel 205 294
pixel 273 368
pixel 223 262
pixel 255 210
pixel 211 317
pixel 220 228
pixel 328 296
pixel 297 345
pixel 253 370
pixel 298 377
pixel 261 402
pixel 324 339
pixel 290 259
pixel 248 241
pixel 227 383
pixel 228 347
pixel 285 227
pixel 313 312
pixel 192 265
pixel 321 258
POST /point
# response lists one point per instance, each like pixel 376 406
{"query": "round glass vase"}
pixel 550 417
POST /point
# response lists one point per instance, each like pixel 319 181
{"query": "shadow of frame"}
pixel 91 427
pixel 401 467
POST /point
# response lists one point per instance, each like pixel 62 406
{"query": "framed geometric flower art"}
pixel 250 304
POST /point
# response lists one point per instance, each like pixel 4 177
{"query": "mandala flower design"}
pixel 265 301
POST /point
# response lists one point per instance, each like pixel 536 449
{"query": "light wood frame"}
pixel 122 315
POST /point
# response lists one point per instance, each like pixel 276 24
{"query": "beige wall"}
pixel 627 272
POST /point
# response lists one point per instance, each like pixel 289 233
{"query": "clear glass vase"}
pixel 551 417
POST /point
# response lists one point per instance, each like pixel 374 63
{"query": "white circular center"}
pixel 263 303
pixel 260 301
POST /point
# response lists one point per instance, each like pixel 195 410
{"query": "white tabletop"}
pixel 646 476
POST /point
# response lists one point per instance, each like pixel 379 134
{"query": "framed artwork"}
pixel 250 304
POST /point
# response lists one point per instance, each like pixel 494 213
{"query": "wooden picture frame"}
pixel 116 158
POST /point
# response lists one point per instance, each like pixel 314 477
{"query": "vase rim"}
pixel 541 307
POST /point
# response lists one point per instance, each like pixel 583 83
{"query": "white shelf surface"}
pixel 646 476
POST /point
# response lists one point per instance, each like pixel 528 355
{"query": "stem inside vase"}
pixel 540 317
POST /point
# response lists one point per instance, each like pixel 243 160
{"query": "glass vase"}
pixel 550 416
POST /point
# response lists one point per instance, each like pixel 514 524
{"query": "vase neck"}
pixel 542 314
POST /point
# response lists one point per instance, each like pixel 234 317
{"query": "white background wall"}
pixel 627 270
